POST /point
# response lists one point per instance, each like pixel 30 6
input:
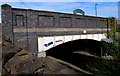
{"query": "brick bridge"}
pixel 38 29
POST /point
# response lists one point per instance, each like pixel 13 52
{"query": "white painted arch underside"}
pixel 47 42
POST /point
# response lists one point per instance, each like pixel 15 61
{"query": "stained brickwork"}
pixel 28 22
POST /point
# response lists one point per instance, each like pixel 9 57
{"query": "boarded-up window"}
pixel 46 21
pixel 19 20
pixel 91 23
pixel 65 22
pixel 80 22
pixel 101 23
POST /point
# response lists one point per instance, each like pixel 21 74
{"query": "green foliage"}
pixel 115 47
pixel 112 32
pixel 118 28
pixel 110 67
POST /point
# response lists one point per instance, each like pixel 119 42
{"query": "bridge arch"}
pixel 47 42
pixel 87 45
pixel 24 26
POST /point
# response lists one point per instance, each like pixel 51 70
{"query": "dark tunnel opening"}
pixel 88 45
pixel 65 52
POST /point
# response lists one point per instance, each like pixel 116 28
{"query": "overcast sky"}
pixel 104 9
